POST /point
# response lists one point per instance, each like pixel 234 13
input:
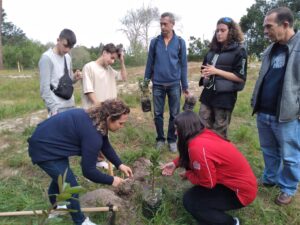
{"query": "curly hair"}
pixel 113 108
pixel 235 34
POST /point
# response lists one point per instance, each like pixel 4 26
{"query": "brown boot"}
pixel 283 199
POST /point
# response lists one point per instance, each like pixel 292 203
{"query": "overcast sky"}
pixel 96 21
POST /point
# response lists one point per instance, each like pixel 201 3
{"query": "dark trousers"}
pixel 208 206
pixel 216 119
pixel 54 169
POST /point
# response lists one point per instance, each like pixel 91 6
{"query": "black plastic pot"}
pixel 151 202
pixel 146 104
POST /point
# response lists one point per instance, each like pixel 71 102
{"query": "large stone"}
pixel 101 197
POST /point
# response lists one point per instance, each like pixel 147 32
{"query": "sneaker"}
pixel 173 147
pixel 60 210
pixel 236 220
pixel 160 145
pixel 283 199
pixel 102 164
pixel 88 222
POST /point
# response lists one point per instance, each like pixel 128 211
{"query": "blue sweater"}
pixel 164 67
pixel 72 133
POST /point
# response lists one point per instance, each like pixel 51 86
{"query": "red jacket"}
pixel 214 160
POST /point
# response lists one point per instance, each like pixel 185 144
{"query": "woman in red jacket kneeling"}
pixel 222 176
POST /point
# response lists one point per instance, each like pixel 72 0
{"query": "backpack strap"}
pixel 155 44
pixel 154 47
pixel 180 47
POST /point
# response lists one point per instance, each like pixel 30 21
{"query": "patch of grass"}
pixel 20 93
pixel 19 96
pixel 133 100
pixel 28 132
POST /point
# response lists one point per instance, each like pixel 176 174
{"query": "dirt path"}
pixel 20 123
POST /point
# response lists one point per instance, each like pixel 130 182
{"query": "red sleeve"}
pixel 203 170
pixel 176 161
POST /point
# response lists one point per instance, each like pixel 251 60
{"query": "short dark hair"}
pixel 69 36
pixel 282 14
pixel 111 48
pixel 170 15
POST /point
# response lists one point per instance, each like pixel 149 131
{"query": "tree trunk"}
pixel 1 21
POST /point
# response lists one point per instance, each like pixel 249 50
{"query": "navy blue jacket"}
pixel 72 133
pixel 167 65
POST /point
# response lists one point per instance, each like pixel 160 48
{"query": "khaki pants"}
pixel 216 119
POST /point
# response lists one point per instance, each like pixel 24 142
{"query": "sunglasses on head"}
pixel 226 20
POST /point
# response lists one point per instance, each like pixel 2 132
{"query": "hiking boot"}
pixel 260 182
pixel 88 222
pixel 283 199
pixel 173 147
pixel 237 222
pixel 160 145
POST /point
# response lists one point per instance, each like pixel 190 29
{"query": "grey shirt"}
pixel 51 66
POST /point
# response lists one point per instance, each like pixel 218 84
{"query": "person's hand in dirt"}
pixel 126 170
pixel 168 169
pixel 117 181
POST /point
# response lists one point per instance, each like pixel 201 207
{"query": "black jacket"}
pixel 232 59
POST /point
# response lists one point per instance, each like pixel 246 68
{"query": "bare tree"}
pixel 136 24
pixel 1 21
pixel 147 16
pixel 132 29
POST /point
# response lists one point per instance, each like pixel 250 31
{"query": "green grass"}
pixel 19 93
pixel 23 186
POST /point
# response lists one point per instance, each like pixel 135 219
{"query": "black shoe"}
pixel 264 184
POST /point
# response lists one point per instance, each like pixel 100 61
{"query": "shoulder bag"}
pixel 65 87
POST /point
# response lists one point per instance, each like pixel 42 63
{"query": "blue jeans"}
pixel 280 144
pixel 159 96
pixel 54 169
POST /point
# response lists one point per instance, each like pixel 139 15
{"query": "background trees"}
pixel 1 55
pixel 136 25
pixel 16 49
pixel 197 49
pixel 252 22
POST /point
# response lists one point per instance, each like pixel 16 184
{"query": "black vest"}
pixel 227 60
